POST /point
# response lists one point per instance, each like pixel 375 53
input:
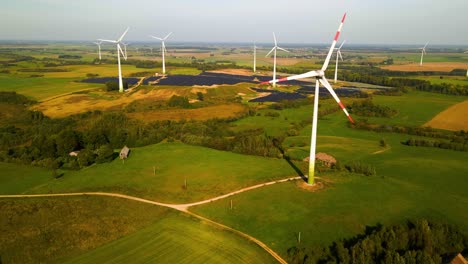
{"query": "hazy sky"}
pixel 294 21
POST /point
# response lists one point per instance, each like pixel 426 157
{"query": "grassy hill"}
pixel 209 173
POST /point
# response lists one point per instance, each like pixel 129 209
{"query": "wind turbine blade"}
pixel 282 49
pixel 425 45
pixel 156 38
pixel 327 85
pixel 339 54
pixel 294 77
pixel 167 36
pixel 122 52
pixel 342 44
pixel 274 38
pixel 270 51
pixel 123 35
pixel 332 48
pixel 106 40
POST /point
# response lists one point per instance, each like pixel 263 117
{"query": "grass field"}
pixel 177 239
pixel 453 118
pixel 427 66
pixel 415 108
pixel 112 230
pixel 16 179
pixel 457 80
pixel 209 173
pixel 44 230
pixel 43 88
pixel 410 183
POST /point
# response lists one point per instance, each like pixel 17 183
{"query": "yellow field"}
pixel 429 66
pixel 454 118
pixel 205 113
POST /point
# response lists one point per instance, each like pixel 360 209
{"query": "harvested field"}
pixel 205 113
pixel 429 66
pixel 454 118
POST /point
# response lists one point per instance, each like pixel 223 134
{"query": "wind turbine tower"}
pixel 99 48
pixel 119 51
pixel 423 51
pixel 319 76
pixel 163 48
pixel 274 49
pixel 255 58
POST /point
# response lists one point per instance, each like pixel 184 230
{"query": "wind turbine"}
pixel 163 48
pixel 338 54
pixel 125 50
pixel 319 78
pixel 423 51
pixel 119 51
pixel 255 58
pixel 274 49
pixel 99 48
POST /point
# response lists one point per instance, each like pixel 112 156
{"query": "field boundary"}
pixel 179 207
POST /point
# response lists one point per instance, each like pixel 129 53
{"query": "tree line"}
pixel 416 241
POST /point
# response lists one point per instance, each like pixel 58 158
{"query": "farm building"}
pixel 326 159
pixel 124 152
pixel 74 153
pixel 459 259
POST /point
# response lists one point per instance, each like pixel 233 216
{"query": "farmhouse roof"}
pixel 459 259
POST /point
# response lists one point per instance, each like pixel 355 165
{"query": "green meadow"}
pixel 158 172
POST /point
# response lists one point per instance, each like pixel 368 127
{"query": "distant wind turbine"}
pixel 255 58
pixel 119 51
pixel 163 48
pixel 125 50
pixel 274 49
pixel 99 48
pixel 338 54
pixel 319 76
pixel 423 51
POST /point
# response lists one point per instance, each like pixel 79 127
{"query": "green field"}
pixel 415 108
pixel 209 173
pixel 112 230
pixel 42 88
pixel 177 239
pixel 410 183
pixel 457 80
pixel 15 179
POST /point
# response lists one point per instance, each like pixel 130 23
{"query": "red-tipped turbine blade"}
pixel 294 77
pixel 332 48
pixel 327 85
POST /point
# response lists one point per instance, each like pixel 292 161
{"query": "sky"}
pixel 392 22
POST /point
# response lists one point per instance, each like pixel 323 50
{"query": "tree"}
pixel 200 96
pixel 86 157
pixel 67 141
pixel 105 154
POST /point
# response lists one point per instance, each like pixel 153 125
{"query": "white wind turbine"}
pixel 423 51
pixel 338 54
pixel 255 57
pixel 125 50
pixel 163 48
pixel 319 76
pixel 99 48
pixel 274 49
pixel 119 51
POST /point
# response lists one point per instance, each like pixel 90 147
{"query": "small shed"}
pixel 459 259
pixel 124 152
pixel 74 153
